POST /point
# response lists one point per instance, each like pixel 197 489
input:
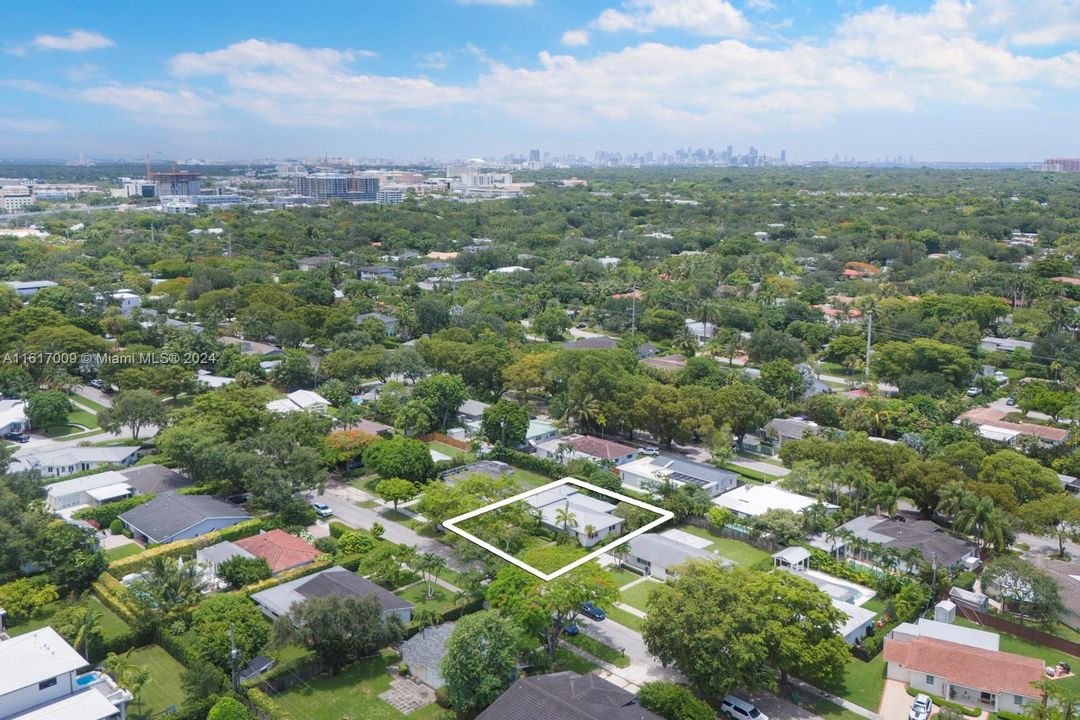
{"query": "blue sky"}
pixel 944 80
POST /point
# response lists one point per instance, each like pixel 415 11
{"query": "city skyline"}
pixel 981 80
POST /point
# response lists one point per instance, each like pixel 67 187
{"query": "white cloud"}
pixel 436 60
pixel 82 72
pixel 703 17
pixel 575 38
pixel 74 41
pixel 171 108
pixel 29 125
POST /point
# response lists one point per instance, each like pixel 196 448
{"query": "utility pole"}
pixel 233 653
pixel 633 309
pixel 869 332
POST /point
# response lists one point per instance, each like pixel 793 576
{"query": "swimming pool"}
pixel 87 679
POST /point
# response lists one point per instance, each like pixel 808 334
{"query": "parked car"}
pixel 651 451
pixel 921 708
pixel 973 392
pixel 1011 400
pixel 239 499
pixel 739 709
pixel 571 629
pixel 17 437
pixel 592 612
pixel 322 509
pixel 97 383
pixel 1000 378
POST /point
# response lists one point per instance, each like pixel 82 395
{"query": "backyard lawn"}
pixel 163 689
pixel 528 480
pixel 451 451
pixel 442 601
pixel 623 617
pixel 354 693
pixel 863 683
pixel 737 552
pixel 118 553
pixel 638 596
pixel 111 624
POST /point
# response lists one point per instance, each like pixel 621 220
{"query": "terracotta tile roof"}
pixel 975 668
pixel 603 449
pixel 281 550
pixel 993 418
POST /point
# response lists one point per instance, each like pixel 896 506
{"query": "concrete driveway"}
pixel 895 702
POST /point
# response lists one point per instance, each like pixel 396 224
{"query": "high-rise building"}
pixel 333 186
pixel 177 183
pixel 534 156
pixel 783 156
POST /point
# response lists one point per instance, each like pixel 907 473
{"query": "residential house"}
pixel 124 299
pixel 973 676
pixel 750 501
pixel 424 652
pixel 654 554
pixel 1067 576
pixel 494 469
pixel 539 431
pixel 566 695
pixel 300 401
pixel 111 485
pixel 315 261
pixel 600 342
pixel 281 550
pixel 251 347
pixel 171 516
pixel 666 363
pixel 585 447
pixel 947 631
pixel 782 430
pixel 933 543
pixel 390 324
pixel 472 410
pixel 26 288
pixel 41 680
pixel 644 471
pixel 372 427
pixel 991 425
pixel 333 582
pixel 13 416
pixel 207 379
pixel 846 597
pixel 1006 345
pixel 211 558
pixel 702 331
pixel 377 272
pixel 70 460
pixel 592 519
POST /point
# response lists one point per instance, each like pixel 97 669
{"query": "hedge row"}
pixel 532 463
pixel 103 515
pixel 943 703
pixel 296 665
pixel 114 596
pixel 187 548
pixel 265 706
pixel 472 606
pixel 821 560
pixel 178 647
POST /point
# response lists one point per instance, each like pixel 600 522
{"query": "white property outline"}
pixel 451 524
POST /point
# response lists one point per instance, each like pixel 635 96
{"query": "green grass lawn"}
pixel 395 516
pixel 87 402
pixel 737 552
pixel 353 693
pixel 624 618
pixel 597 649
pixel 111 624
pixel 754 476
pixel 451 451
pixel 638 596
pixel 874 604
pixel 57 431
pixel 369 504
pixel 528 480
pixel 621 576
pixel 824 708
pixel 366 483
pixel 162 689
pixel 442 600
pixel 118 553
pixel 863 683
pixel 568 660
pixel 84 418
pixel 1019 646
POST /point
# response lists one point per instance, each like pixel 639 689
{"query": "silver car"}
pixel 921 708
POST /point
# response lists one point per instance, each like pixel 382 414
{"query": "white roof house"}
pixel 69 460
pixel 755 500
pixel 13 416
pixel 299 400
pixel 587 512
pixel 948 632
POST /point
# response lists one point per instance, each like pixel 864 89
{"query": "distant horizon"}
pixel 973 79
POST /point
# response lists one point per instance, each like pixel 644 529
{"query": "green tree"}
pixel 223 621
pixel 293 371
pixel 782 380
pixel 80 625
pixel 1023 587
pixel 480 661
pixel 979 518
pixel 169 587
pixel 542 609
pixel 727 629
pixel 339 630
pixel 551 322
pixel 239 571
pixel 443 393
pixel 1056 516
pixel 505 423
pixel 228 708
pixel 134 409
pixel 126 672
pixel 23 597
pixel 742 407
pixel 673 702
pixel 70 555
pixel 400 457
pixel 396 490
pixel 48 408
pixel 1025 476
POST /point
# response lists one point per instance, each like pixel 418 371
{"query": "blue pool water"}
pixel 85 679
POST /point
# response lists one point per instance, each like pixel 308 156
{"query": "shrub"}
pixel 946 704
pixel 240 571
pixel 104 515
pixel 22 598
pixel 532 463
pixel 673 702
pixel 267 707
pixel 116 527
pixel 355 542
pixel 965 580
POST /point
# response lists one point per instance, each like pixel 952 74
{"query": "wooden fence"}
pixel 1023 631
pixel 444 439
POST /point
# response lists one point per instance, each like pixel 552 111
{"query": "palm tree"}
pixel 126 672
pixel 951 498
pixel 979 518
pixel 566 518
pixel 430 566
pixel 170 586
pixel 83 625
pixel 427 617
pixel 590 531
pixel 582 410
pixel 685 342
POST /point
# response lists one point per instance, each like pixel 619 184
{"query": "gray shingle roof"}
pixel 333 582
pixel 168 514
pixel 664 552
pixel 566 696
pixel 154 478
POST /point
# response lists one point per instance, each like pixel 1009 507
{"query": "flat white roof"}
pixel 39 655
pixel 85 483
pixel 89 705
pixel 855 617
pixel 754 500
pixel 950 633
pixel 110 491
pixel 307 398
